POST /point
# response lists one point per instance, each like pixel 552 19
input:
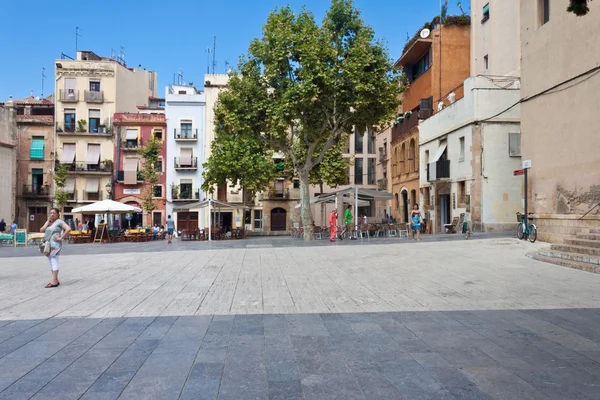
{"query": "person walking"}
pixel 54 231
pixel 170 228
pixel 13 227
pixel 415 222
pixel 2 226
pixel 349 222
pixel 333 216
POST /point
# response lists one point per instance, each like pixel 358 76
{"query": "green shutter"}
pixel 37 171
pixel 37 149
pixel 486 9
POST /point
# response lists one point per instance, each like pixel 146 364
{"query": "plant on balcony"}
pixel 174 191
pixel 60 180
pixel 579 7
pixel 149 153
pixel 407 114
pixel 81 125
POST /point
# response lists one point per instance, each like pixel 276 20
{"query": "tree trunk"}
pixel 305 212
pixel 323 223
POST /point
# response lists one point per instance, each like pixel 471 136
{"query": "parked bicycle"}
pixel 525 231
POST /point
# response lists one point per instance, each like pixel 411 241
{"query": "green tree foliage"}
pixel 579 7
pixel 60 180
pixel 302 88
pixel 150 153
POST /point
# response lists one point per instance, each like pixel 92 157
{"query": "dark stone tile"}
pixel 285 390
pixel 306 325
pixel 33 333
pixel 109 385
pixel 320 386
pixel 248 325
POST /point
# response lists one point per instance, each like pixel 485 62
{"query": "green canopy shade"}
pixel 37 149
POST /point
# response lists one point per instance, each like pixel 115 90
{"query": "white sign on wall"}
pixel 526 164
pixel 131 191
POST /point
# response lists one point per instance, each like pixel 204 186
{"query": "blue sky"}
pixel 167 36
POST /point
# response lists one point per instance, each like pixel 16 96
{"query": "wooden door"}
pixel 36 221
pixel 278 220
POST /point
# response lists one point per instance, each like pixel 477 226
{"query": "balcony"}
pixel 382 185
pixel 93 97
pixel 95 169
pixel 383 157
pixel 69 95
pixel 438 170
pixel 277 195
pixel 121 177
pixel 185 194
pixel 405 126
pixel 186 163
pixel 35 191
pixel 72 130
pixel 91 197
pixel 130 145
pixel 185 136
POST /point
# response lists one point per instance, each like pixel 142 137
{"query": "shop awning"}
pixel 131 167
pixel 93 154
pixel 68 154
pixel 92 185
pixel 37 149
pixel 439 153
pixel 70 186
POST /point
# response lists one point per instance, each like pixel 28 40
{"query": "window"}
pixel 258 220
pixel 296 184
pixel 358 141
pixel 94 86
pixel 94 117
pixel 69 120
pixel 486 62
pixel 462 149
pixel 412 165
pixel 426 157
pixel 544 11
pixel 37 148
pixel 158 134
pixel 486 13
pixel 347 145
pixel 157 218
pixel 37 179
pixel 186 130
pixel 157 191
pixel 401 168
pixel 371 171
pixel 185 190
pixel 421 66
pixel 358 171
pixel 426 197
pixel 159 165
pixel 371 141
pixel 462 192
pixel 514 144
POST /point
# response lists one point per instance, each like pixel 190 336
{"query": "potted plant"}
pixel 81 125
pixel 108 164
pixel 174 191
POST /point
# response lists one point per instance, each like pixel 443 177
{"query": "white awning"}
pixel 185 181
pixel 94 114
pixel 68 154
pixel 93 154
pixel 185 157
pixel 131 167
pixel 70 187
pixel 92 185
pixel 131 134
pixel 439 153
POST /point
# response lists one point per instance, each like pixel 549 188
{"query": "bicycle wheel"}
pixel 532 233
pixel 520 233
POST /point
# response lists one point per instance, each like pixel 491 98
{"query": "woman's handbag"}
pixel 45 247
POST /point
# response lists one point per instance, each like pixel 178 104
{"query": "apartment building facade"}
pixel 132 131
pixel 8 162
pixel 185 140
pixel 434 62
pixel 560 125
pixel 470 147
pixel 35 160
pixel 89 91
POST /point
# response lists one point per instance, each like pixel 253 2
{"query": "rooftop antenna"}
pixel 43 76
pixel 208 60
pixel 122 55
pixel 180 77
pixel 227 66
pixel 214 64
pixel 77 35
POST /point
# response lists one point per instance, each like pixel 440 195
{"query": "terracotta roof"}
pixel 135 118
pixel 33 101
pixel 149 108
pixel 35 119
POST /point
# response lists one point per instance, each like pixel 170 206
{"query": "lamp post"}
pixel 108 188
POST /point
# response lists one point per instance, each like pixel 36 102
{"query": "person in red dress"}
pixel 332 225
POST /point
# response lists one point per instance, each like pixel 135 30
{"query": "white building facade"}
pixel 186 149
pixel 470 149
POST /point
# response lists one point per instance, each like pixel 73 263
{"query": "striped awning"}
pixel 131 167
pixel 37 149
pixel 68 154
pixel 93 154
pixel 92 185
pixel 70 186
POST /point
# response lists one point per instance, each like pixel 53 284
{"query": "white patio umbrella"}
pixel 107 206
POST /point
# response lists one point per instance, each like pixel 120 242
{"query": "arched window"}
pixel 413 198
pixel 395 166
pixel 402 159
pixel 411 156
pixel 397 201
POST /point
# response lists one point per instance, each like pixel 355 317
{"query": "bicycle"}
pixel 526 231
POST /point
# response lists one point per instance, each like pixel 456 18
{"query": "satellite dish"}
pixel 425 33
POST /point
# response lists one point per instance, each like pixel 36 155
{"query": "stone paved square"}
pixel 277 319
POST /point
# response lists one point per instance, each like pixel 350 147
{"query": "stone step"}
pixel 568 248
pixel 582 258
pixel 588 236
pixel 583 242
pixel 566 263
pixel 595 230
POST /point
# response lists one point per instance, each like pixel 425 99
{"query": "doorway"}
pixel 187 221
pixel 444 210
pixel 37 218
pixel 405 206
pixel 278 220
pixel 223 219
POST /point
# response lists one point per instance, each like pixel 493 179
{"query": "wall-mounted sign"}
pixel 526 164
pixel 131 191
